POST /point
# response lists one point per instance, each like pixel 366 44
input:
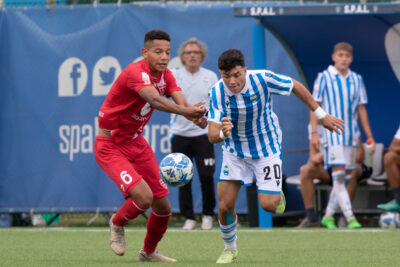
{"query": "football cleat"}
pixel 227 256
pixel 206 222
pixel 282 204
pixel 154 257
pixel 353 224
pixel 117 238
pixel 306 223
pixel 328 222
pixel 390 206
pixel 189 225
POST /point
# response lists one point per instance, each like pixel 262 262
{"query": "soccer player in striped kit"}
pixel 341 92
pixel 241 116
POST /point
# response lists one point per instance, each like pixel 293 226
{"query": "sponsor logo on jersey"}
pixel 145 109
pixel 143 112
pixel 146 78
pixel 161 86
pixel 139 118
pixel 253 97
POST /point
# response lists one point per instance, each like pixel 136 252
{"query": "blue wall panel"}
pixel 48 122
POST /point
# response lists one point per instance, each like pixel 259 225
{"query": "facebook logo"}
pixel 75 75
pixel 72 77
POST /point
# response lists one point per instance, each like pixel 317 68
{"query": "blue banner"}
pixel 58 63
pixel 56 66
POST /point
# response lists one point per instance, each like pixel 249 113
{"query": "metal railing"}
pixel 15 3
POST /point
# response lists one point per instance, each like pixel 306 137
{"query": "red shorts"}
pixel 127 162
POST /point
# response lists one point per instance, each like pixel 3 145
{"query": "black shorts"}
pixel 198 148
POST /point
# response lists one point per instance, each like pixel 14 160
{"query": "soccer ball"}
pixel 389 219
pixel 176 169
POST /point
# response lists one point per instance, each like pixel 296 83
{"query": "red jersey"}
pixel 124 112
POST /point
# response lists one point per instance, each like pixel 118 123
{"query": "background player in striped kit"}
pixel 241 115
pixel 190 139
pixel 315 169
pixel 342 93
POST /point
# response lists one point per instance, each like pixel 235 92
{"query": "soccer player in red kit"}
pixel 123 153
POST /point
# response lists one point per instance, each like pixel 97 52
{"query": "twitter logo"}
pixel 107 77
pixel 105 71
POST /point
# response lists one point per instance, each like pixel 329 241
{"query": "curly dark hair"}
pixel 230 59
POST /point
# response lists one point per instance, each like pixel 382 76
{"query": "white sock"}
pixel 229 236
pixel 332 206
pixel 342 196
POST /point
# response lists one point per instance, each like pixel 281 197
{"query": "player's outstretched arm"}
pixel 331 123
pixel 151 95
pixel 180 99
pixel 202 122
pixel 219 132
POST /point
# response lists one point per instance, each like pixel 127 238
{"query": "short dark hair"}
pixel 156 35
pixel 230 59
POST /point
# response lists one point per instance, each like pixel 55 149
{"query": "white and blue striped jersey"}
pixel 340 96
pixel 256 133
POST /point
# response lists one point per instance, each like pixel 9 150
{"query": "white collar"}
pixel 332 70
pixel 191 74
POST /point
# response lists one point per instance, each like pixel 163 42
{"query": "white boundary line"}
pixel 177 230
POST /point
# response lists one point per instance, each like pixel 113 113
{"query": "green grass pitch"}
pixel 88 246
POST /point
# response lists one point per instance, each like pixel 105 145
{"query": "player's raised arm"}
pixel 328 121
pixel 152 96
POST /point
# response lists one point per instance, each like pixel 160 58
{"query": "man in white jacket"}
pixel 191 140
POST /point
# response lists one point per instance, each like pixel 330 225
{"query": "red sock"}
pixel 130 210
pixel 157 225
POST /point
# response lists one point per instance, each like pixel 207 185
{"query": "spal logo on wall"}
pixel 72 77
pixel 105 72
